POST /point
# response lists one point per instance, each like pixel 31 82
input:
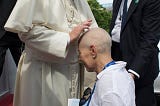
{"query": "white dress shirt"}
pixel 117 27
pixel 114 87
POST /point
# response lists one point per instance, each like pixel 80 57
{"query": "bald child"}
pixel 114 85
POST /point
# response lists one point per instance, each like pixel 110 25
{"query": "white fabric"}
pixel 133 72
pixel 49 13
pixel 48 70
pixel 114 87
pixel 117 27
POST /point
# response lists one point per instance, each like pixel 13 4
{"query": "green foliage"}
pixel 102 16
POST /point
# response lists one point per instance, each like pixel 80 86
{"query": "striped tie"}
pixel 124 14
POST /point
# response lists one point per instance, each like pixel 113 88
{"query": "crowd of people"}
pixel 60 35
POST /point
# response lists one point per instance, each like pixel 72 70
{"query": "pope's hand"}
pixel 76 31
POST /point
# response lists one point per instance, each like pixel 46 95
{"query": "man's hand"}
pixel 132 75
pixel 76 31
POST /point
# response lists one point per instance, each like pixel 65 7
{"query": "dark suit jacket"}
pixel 6 7
pixel 139 38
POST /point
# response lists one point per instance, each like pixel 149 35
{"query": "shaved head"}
pixel 95 49
pixel 98 37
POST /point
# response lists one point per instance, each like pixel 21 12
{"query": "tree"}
pixel 102 16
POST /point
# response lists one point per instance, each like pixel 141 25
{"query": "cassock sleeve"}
pixel 46 44
pixel 26 13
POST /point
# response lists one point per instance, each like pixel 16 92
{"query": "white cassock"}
pixel 48 71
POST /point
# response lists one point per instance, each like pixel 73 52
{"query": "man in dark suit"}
pixel 135 31
pixel 8 39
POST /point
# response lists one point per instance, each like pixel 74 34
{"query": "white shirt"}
pixel 117 27
pixel 114 87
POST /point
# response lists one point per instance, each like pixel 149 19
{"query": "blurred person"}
pixel 135 31
pixel 48 72
pixel 8 40
pixel 114 85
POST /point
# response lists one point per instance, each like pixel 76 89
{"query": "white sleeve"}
pixel 46 44
pixel 133 72
pixel 111 99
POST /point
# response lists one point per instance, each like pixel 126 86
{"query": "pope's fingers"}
pixel 89 20
pixel 85 27
pixel 86 22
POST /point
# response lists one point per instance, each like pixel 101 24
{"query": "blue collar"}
pixel 109 64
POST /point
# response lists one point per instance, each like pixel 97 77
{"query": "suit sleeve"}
pixel 149 37
pixel 46 44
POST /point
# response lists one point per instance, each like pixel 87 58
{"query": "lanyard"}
pixel 107 65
